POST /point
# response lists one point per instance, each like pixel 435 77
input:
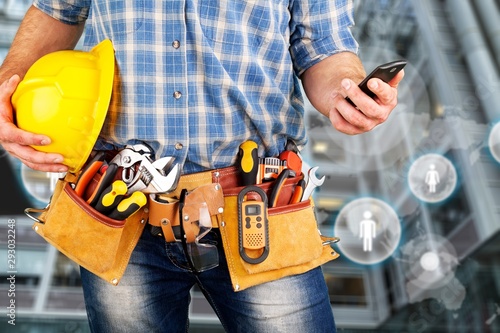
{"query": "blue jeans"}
pixel 154 296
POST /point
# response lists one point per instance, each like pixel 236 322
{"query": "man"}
pixel 196 79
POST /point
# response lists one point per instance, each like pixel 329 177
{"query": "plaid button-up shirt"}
pixel 199 77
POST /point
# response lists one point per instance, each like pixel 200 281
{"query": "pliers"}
pixel 141 173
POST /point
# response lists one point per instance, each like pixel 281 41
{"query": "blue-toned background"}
pixel 449 105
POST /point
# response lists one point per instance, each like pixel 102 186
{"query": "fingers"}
pixel 386 93
pixel 9 132
pixel 342 125
pixel 18 142
pixel 36 160
pixel 369 112
pixel 349 120
pixel 8 87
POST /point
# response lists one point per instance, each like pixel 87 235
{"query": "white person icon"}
pixel 432 178
pixel 367 231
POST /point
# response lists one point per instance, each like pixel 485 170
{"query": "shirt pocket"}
pixel 117 18
pixel 237 23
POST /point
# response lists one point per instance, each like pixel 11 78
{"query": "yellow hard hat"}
pixel 65 95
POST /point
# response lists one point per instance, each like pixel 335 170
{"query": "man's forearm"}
pixel 38 35
pixel 322 81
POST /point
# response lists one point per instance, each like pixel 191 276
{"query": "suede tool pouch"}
pixel 295 243
pixel 94 241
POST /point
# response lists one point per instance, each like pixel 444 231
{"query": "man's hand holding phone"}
pixel 373 99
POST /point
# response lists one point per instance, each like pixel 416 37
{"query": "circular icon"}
pixel 494 142
pixel 369 231
pixel 430 261
pixel 432 178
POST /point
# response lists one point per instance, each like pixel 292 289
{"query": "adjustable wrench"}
pixel 312 183
pixel 149 176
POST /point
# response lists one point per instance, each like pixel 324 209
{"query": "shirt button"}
pixel 178 146
pixel 176 44
pixel 177 94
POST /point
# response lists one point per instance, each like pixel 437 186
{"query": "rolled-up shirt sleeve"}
pixel 318 29
pixel 69 12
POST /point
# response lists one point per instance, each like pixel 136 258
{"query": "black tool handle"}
pixel 106 180
pixel 277 186
pixel 128 206
pixel 111 196
pixel 248 162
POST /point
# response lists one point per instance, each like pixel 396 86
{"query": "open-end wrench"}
pixel 312 183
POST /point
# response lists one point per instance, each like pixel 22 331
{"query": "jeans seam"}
pixel 212 303
pixel 174 262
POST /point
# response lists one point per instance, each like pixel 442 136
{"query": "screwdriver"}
pixel 111 196
pixel 106 180
pixel 249 162
pixel 128 206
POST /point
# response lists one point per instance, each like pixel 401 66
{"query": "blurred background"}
pixel 441 270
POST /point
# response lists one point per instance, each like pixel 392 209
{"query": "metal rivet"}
pixel 143 221
pixel 178 146
pixel 216 174
pixel 36 228
pixel 237 287
pixel 176 44
pixel 223 224
pixel 165 221
pixel 217 187
pixel 114 281
pixel 221 210
pixel 186 217
pixel 146 210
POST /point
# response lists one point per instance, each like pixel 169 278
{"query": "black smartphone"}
pixel 385 72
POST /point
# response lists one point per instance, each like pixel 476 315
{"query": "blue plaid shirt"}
pixel 199 77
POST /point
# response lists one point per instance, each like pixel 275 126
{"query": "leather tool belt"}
pixel 104 246
pixel 295 243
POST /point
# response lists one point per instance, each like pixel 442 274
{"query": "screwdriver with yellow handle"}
pixel 249 162
pixel 128 206
pixel 111 196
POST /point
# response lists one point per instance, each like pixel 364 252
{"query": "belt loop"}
pixel 168 232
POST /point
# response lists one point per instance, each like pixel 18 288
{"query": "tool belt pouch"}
pixel 295 243
pixel 96 242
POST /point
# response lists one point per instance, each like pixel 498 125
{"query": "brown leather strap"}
pixel 164 212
